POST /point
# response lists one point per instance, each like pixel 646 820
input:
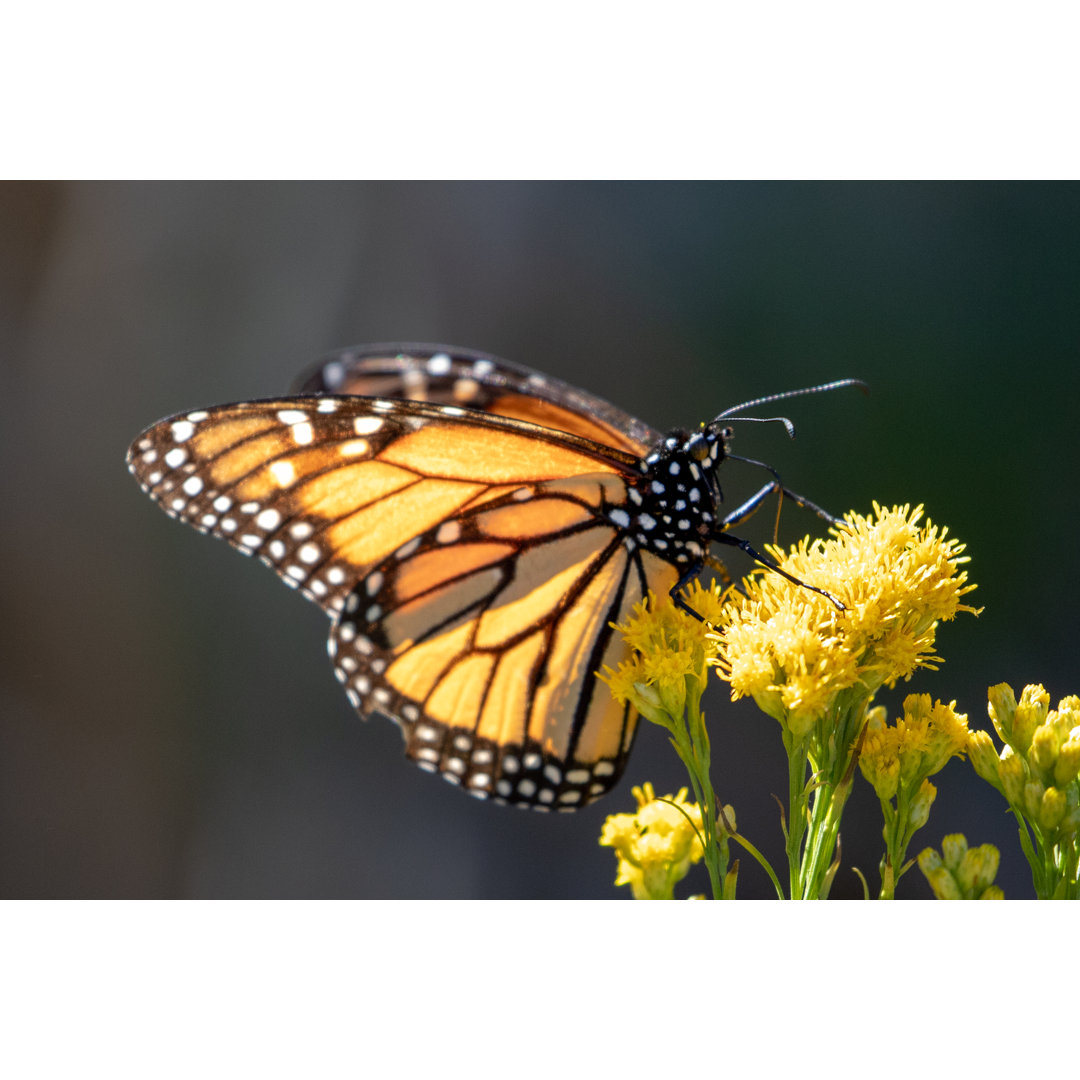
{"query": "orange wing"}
pixel 448 374
pixel 324 489
pixel 481 639
pixel 472 565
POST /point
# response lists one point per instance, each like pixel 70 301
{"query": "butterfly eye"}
pixel 697 446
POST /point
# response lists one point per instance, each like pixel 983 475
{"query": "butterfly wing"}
pixel 471 564
pixel 454 376
pixel 481 638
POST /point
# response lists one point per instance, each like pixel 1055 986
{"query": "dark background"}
pixel 169 724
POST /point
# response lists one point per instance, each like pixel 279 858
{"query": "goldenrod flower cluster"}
pixel 669 647
pixel 898 760
pixel 960 872
pixel 917 746
pixel 1038 767
pixel 656 845
pixel 796 653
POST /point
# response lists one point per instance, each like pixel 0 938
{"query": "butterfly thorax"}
pixel 672 507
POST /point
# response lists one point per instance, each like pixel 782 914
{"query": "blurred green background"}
pixel 170 725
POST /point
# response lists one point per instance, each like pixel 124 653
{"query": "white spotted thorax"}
pixel 672 509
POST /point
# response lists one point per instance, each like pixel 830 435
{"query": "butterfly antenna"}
pixel 728 414
pixel 788 425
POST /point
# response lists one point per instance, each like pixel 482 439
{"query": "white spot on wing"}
pixel 309 553
pixel 283 472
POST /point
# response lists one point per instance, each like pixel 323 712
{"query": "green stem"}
pixel 893 855
pixel 683 748
pixel 829 800
pixel 796 827
pixel 820 843
pixel 691 742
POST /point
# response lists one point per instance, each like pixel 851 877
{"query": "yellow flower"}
pixel 960 872
pixel 669 649
pixel 656 845
pixel 917 746
pixel 1037 769
pixel 795 653
pixel 1016 722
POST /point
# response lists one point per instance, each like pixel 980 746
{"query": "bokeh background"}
pixel 169 724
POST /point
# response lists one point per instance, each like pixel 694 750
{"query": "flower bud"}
pixel 984 756
pixel 1044 747
pixel 1052 810
pixel 1030 713
pixel 1002 708
pixel 960 873
pixel 978 869
pixel 1012 773
pixel 673 695
pixel 1032 799
pixel 938 875
pixel 924 798
pixel 953 849
pixel 1067 766
pixel 1069 707
pixel 646 699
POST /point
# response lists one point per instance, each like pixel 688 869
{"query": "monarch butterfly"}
pixel 472 528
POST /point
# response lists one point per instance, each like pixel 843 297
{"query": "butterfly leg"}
pixel 741 513
pixel 769 562
pixel 688 575
pixel 751 506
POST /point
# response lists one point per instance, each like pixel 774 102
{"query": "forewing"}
pixel 325 489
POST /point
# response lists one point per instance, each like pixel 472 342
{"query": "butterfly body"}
pixel 472 540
